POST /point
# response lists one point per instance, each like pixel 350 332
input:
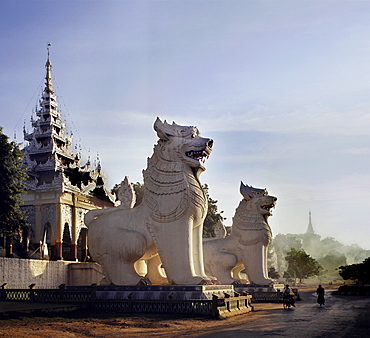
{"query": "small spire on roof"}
pixel 48 66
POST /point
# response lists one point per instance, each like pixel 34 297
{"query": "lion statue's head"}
pixel 182 144
pixel 255 208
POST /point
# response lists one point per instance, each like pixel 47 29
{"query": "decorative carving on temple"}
pixel 80 214
pixel 66 216
pixel 48 213
pixel 32 183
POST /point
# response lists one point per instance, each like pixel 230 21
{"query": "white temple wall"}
pixel 20 273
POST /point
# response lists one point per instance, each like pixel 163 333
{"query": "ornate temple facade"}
pixel 60 190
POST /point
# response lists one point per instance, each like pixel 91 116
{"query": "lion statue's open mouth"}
pixel 200 155
pixel 267 209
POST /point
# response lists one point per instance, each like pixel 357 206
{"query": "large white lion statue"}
pixel 169 221
pixel 246 246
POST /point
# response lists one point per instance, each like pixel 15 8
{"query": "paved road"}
pixel 342 316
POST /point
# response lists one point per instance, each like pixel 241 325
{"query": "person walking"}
pixel 320 295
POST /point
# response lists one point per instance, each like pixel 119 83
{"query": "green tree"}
pixel 301 265
pixel 12 187
pixel 213 216
pixel 331 262
pixel 359 272
pixel 281 244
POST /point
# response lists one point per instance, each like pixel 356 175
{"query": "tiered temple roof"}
pixel 52 165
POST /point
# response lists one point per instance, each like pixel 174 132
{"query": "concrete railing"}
pixel 215 307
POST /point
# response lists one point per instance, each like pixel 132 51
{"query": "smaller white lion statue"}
pixel 246 246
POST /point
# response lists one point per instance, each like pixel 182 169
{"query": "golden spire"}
pixel 48 66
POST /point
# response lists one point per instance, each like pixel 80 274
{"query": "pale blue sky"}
pixel 283 88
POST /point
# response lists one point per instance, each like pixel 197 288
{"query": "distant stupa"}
pixel 310 227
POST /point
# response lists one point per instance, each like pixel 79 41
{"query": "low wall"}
pixel 20 273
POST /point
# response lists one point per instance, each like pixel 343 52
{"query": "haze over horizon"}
pixel 282 87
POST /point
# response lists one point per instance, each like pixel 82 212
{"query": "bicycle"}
pixel 288 302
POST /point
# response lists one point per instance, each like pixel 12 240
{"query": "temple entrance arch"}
pixel 66 243
pixel 82 251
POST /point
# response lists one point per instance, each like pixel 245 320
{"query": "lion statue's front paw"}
pixel 236 282
pixel 144 281
pixel 206 282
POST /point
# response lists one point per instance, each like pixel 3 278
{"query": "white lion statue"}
pixel 168 222
pixel 246 246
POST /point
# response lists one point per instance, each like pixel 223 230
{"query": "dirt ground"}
pixel 82 324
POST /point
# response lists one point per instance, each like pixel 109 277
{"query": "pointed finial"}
pixel 48 66
pixel 48 48
pixel 98 160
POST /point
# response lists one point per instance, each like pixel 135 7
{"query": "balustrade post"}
pixel 32 292
pixel 93 296
pixel 170 302
pixel 61 287
pixel 215 306
pixel 130 306
pixel 3 292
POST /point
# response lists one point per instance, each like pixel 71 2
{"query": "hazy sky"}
pixel 282 87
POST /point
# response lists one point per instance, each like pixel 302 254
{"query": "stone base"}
pixel 255 288
pixel 84 274
pixel 162 292
pixel 262 293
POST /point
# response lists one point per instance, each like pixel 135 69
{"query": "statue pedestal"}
pixel 163 292
pixel 253 288
pixel 262 293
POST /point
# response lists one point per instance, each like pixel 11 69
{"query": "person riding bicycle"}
pixel 320 295
pixel 288 295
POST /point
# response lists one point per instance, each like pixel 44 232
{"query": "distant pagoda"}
pixel 59 190
pixel 310 227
